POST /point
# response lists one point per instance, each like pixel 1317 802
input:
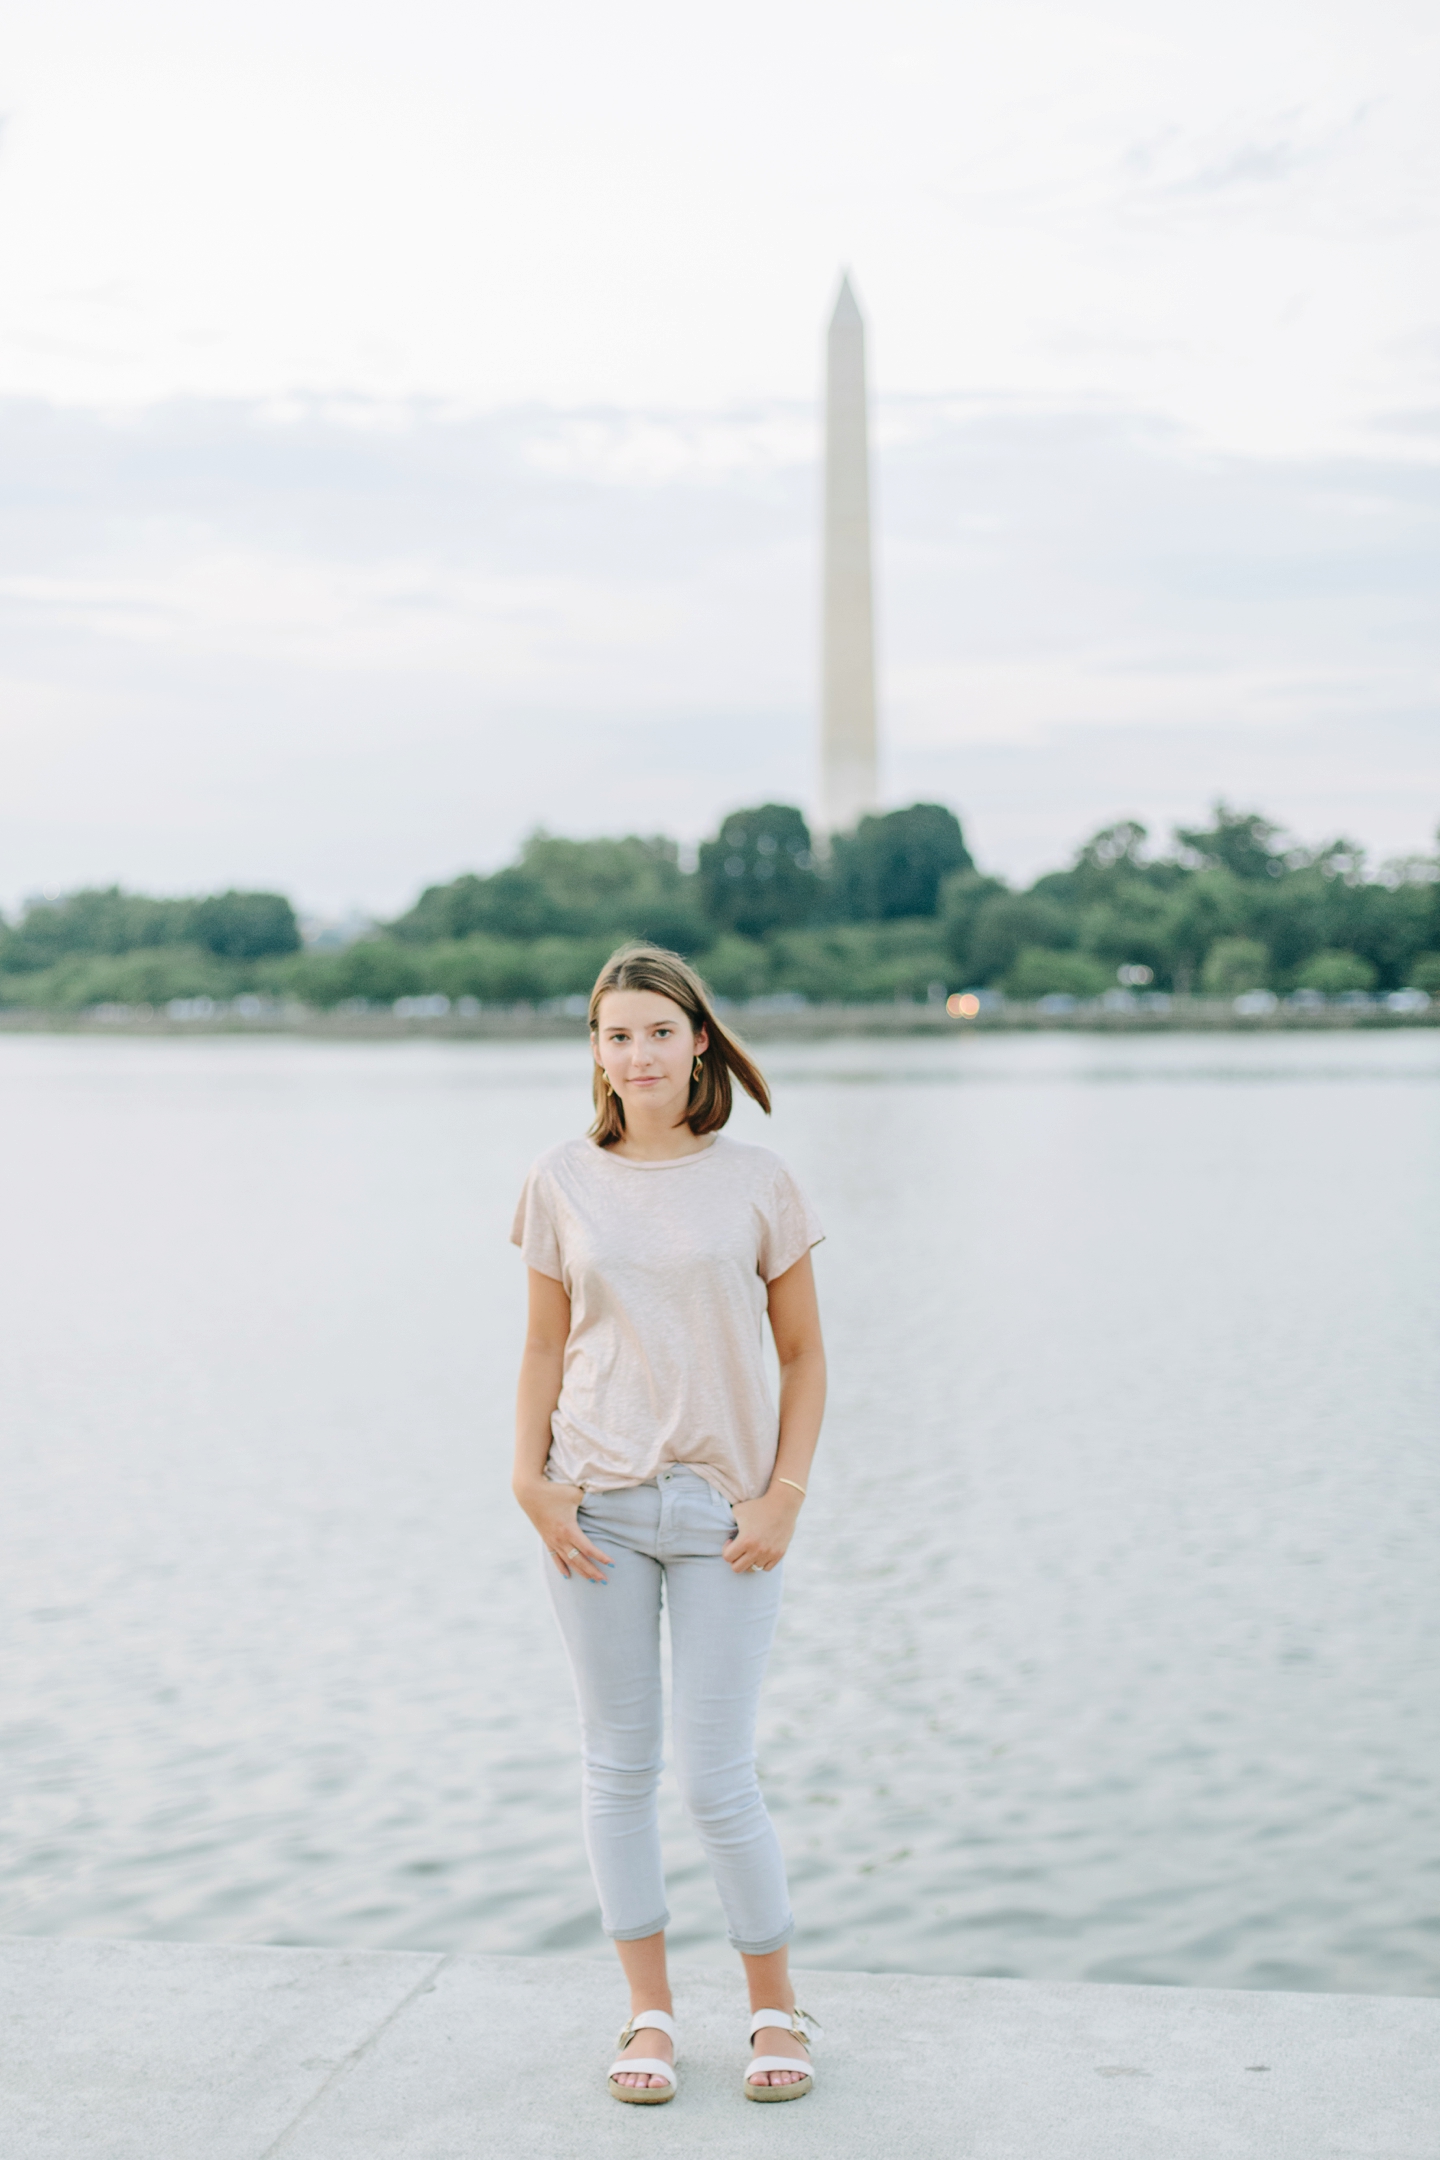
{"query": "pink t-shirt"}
pixel 666 1266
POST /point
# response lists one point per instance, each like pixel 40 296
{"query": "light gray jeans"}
pixel 670 1536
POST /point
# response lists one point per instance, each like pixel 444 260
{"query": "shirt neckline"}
pixel 672 1162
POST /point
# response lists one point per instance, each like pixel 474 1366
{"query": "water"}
pixel 1111 1637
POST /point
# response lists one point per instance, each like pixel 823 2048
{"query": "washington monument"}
pixel 848 785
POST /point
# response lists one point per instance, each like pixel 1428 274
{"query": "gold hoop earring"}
pixel 699 1073
pixel 609 1083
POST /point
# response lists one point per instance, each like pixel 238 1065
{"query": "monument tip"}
pixel 847 307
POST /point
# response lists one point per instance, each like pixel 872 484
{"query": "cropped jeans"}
pixel 668 1538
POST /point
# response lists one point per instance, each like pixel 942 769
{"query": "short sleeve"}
pixel 534 1229
pixel 789 1226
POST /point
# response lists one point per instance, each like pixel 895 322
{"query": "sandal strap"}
pixel 778 2062
pixel 797 2022
pixel 650 2064
pixel 648 2021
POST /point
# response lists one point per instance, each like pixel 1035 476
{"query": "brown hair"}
pixel 650 967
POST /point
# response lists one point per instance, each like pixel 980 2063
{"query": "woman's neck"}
pixel 651 1140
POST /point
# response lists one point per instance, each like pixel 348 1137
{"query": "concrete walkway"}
pixel 158 2051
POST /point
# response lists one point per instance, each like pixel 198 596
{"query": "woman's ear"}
pixel 702 1041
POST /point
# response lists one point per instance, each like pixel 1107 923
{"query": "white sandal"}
pixel 800 2026
pixel 645 2095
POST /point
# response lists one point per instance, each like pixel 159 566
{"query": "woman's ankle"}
pixel 767 1980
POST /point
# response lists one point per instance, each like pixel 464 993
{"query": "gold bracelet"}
pixel 791 1483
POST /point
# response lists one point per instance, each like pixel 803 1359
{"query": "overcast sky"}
pixel 410 420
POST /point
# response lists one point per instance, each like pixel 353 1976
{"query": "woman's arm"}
pixel 768 1524
pixel 550 1506
pixel 795 1324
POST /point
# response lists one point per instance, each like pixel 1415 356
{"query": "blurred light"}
pixel 962 1008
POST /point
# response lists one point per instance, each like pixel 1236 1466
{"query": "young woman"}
pixel 649 1454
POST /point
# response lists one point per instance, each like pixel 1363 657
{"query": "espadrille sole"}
pixel 642 2095
pixel 794 2091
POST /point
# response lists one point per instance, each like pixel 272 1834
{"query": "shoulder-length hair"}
pixel 650 967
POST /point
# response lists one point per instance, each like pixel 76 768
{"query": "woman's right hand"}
pixel 553 1509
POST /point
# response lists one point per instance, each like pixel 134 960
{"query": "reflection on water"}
pixel 1111 1636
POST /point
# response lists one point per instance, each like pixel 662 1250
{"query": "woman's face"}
pixel 647 1046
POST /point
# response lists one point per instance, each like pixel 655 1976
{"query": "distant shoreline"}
pixel 1204 1016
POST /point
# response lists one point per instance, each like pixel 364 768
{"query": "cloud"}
pixel 621 209
pixel 1238 162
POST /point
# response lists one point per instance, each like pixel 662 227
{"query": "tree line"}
pixel 896 908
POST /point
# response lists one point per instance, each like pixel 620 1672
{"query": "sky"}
pixel 409 420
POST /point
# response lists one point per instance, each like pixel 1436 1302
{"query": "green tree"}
pixel 1008 923
pixel 232 925
pixel 739 967
pixel 1036 973
pixel 454 910
pixel 1235 964
pixel 374 968
pixel 1133 924
pixel 1334 972
pixel 962 896
pixel 1207 906
pixel 610 889
pixel 1114 848
pixel 1237 841
pixel 616 889
pixel 1387 924
pixel 245 925
pixel 94 921
pixel 893 866
pixel 1111 869
pixel 1293 916
pixel 1325 902
pixel 151 975
pixel 848 963
pixel 759 873
pixel 1116 902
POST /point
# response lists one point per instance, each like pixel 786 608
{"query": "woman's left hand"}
pixel 766 1528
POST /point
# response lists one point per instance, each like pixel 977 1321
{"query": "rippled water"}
pixel 1111 1638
